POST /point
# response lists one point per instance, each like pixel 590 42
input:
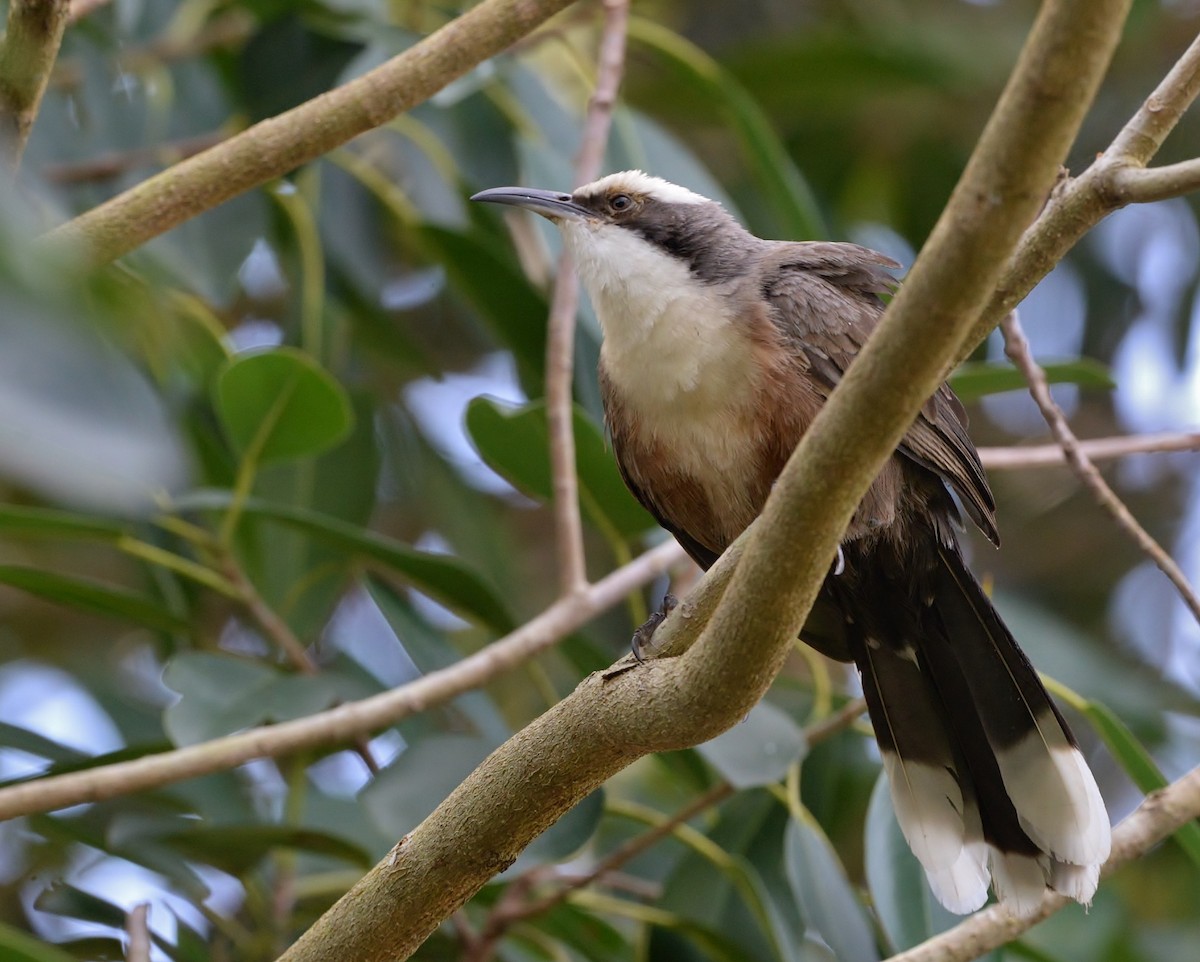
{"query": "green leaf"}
pixel 24 521
pixel 18 946
pixel 443 577
pixel 280 404
pixel 1139 764
pixel 514 443
pixel 92 596
pixel 828 903
pixel 902 898
pixel 783 187
pixel 220 694
pixel 496 287
pixel 758 750
pixel 238 848
pixel 412 786
pixel 975 379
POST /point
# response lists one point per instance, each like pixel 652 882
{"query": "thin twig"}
pixel 1154 820
pixel 1140 139
pixel 137 933
pixel 1098 449
pixel 27 53
pixel 82 8
pixel 560 340
pixel 1017 348
pixel 1137 185
pixel 340 724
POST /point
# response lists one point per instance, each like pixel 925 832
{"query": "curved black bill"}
pixel 548 203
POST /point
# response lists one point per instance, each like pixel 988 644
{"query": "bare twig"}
pixel 1098 449
pixel 1017 348
pixel 560 341
pixel 27 54
pixel 137 933
pixel 343 723
pixel 1155 819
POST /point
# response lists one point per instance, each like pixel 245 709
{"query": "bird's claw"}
pixel 640 645
pixel 839 563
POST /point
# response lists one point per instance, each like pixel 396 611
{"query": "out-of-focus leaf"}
pixel 496 288
pixel 24 521
pixel 903 901
pixel 407 790
pixel 281 404
pixel 758 750
pixel 565 837
pixel 238 848
pixel 514 443
pixel 220 694
pixel 92 596
pixel 736 886
pixel 1140 766
pixel 18 946
pixel 442 577
pixel 430 651
pixel 828 903
pixel 784 187
pixel 974 379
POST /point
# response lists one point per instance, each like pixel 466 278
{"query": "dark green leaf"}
pixel 975 379
pixel 828 903
pixel 18 946
pixel 238 848
pixel 784 188
pixel 1139 764
pixel 441 576
pixel 499 291
pixel 92 596
pixel 514 443
pixel 281 404
pixel 24 521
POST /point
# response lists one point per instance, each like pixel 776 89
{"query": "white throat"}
pixel 671 344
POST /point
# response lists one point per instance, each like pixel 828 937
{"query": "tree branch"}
pixel 280 144
pixel 1098 449
pixel 343 723
pixel 27 54
pixel 1155 819
pixel 1017 348
pixel 560 339
pixel 605 724
pixel 1076 206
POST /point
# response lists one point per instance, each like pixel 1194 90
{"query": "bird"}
pixel 718 350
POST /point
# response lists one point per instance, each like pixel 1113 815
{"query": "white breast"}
pixel 673 351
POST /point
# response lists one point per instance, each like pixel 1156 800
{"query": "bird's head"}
pixel 631 217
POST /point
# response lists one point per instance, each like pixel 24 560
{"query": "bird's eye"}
pixel 620 202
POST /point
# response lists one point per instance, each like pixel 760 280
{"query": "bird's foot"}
pixel 645 634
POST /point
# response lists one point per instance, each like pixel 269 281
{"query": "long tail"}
pixel 986 779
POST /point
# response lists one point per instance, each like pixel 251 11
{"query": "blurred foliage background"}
pixel 396 515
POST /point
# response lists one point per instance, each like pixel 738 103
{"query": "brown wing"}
pixel 825 300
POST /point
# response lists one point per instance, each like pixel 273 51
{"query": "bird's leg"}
pixel 645 634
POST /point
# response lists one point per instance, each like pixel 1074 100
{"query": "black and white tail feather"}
pixel 986 780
